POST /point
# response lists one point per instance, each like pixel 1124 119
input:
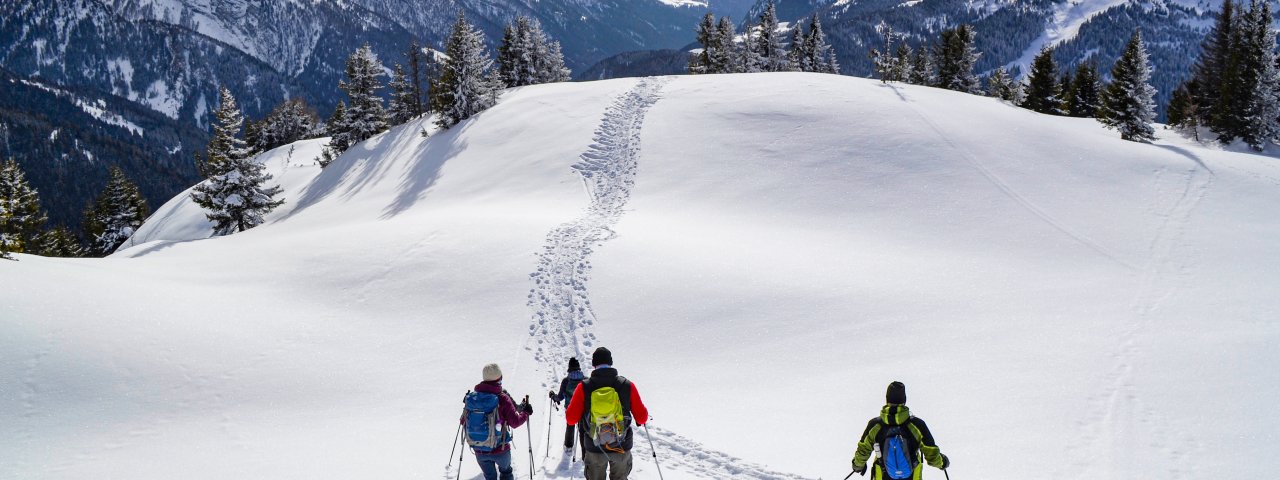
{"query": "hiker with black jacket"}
pixel 567 386
pixel 607 404
pixel 902 438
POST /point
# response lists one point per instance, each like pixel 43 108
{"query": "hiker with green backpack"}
pixel 488 416
pixel 606 404
pixel 902 439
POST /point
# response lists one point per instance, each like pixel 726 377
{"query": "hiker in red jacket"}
pixel 607 428
pixel 489 416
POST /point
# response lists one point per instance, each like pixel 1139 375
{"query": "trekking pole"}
pixel 529 435
pixel 461 454
pixel 549 415
pixel 948 475
pixel 455 444
pixel 654 451
pixel 846 477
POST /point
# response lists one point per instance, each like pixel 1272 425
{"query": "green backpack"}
pixel 607 422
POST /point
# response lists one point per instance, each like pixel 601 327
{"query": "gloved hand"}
pixel 946 462
pixel 551 395
pixel 526 408
pixel 860 471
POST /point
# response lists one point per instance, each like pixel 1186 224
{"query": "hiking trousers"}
pixel 496 467
pixel 619 465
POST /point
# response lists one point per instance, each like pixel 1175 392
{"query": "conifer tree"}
pixel 956 58
pixel 288 122
pixel 1129 103
pixel 1000 85
pixel 1085 92
pixel 885 61
pixel 819 56
pixel 233 196
pixel 747 58
pixel 365 114
pixel 1066 92
pixel 1042 85
pixel 465 87
pixel 528 57
pixel 922 71
pixel 797 58
pixel 773 56
pixel 60 242
pixel 115 215
pixel 1262 110
pixel 400 108
pixel 416 73
pixel 21 218
pixel 1215 52
pixel 722 61
pixel 225 145
pixel 709 36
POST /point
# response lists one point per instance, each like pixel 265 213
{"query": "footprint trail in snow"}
pixel 563 319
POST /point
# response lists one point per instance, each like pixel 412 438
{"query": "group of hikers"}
pixel 600 410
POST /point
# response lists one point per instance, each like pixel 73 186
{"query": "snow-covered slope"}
pixel 763 254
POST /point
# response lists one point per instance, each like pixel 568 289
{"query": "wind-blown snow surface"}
pixel 767 252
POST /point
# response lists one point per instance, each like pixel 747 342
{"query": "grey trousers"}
pixel 619 465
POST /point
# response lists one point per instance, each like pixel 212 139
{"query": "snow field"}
pixel 788 244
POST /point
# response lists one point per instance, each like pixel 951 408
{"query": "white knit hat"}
pixel 492 372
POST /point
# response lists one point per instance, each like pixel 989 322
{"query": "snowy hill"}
pixel 763 254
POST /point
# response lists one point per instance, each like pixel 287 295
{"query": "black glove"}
pixel 551 395
pixel 860 471
pixel 526 408
pixel 946 462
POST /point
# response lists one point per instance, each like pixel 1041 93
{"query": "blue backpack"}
pixel 480 419
pixel 896 459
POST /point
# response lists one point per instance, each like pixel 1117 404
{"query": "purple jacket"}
pixel 507 412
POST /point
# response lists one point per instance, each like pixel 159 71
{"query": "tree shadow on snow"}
pixel 370 162
pixel 1189 154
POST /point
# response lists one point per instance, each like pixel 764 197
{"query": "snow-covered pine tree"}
pixel 956 58
pixel 550 60
pixel 1000 85
pixel 1262 113
pixel 747 58
pixel 708 34
pixel 233 196
pixel 465 87
pixel 60 242
pixel 797 57
pixel 1086 91
pixel 884 61
pixel 365 114
pixel 902 62
pixel 723 59
pixel 117 212
pixel 225 145
pixel 922 71
pixel 1129 102
pixel 773 56
pixel 288 122
pixel 512 54
pixel 21 218
pixel 339 132
pixel 1042 85
pixel 400 108
pixel 819 56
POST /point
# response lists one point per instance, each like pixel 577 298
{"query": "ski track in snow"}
pixel 563 318
pixel 1118 416
pixel 1008 191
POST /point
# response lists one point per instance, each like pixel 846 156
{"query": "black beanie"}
pixel 601 356
pixel 896 394
pixel 573 365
